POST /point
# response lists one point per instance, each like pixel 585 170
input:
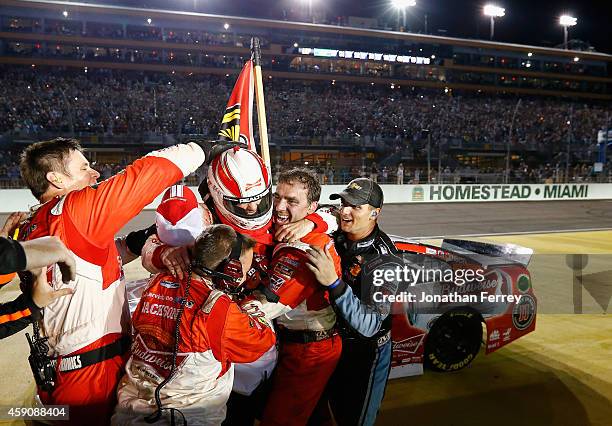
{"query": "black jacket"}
pixel 359 316
pixel 15 315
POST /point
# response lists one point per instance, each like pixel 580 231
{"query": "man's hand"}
pixel 11 224
pixel 322 265
pixel 46 251
pixel 42 293
pixel 293 231
pixel 214 148
pixel 176 260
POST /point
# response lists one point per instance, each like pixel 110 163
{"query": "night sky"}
pixel 526 21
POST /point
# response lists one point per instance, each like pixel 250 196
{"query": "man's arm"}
pixel 325 220
pixel 115 201
pixel 158 257
pixel 364 316
pixel 244 338
pixel 16 315
pixel 322 221
pixel 28 255
pixel 12 256
pixel 32 255
pixel 130 246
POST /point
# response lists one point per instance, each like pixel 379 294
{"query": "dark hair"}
pixel 306 177
pixel 214 245
pixel 43 157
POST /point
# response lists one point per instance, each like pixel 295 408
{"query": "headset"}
pixel 228 275
pixel 374 213
pixel 227 278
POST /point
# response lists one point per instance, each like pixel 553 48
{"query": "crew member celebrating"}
pixel 188 335
pixel 309 345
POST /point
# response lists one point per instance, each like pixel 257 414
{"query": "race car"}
pixel 441 326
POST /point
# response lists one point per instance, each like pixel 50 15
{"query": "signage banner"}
pixel 503 192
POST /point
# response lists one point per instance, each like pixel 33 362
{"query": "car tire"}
pixel 454 339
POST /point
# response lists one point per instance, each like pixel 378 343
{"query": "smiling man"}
pixel 310 347
pixel 357 386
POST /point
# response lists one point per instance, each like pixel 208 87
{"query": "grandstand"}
pixel 125 80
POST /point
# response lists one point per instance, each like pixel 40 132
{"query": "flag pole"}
pixel 259 98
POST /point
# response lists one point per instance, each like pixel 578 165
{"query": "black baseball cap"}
pixel 361 191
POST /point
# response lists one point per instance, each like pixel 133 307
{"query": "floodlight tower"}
pixel 566 21
pixel 493 12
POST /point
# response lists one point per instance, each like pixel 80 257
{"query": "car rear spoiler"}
pixel 498 253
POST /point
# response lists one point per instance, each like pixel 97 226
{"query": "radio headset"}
pixel 227 277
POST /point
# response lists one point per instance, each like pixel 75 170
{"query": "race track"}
pixel 558 375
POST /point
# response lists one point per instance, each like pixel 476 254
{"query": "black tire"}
pixel 453 340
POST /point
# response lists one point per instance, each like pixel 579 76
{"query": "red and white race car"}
pixel 446 335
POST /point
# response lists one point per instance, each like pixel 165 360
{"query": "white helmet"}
pixel 239 176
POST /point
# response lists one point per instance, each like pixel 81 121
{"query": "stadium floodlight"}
pixel 149 20
pixel 226 26
pixel 566 21
pixel 65 13
pixel 401 6
pixel 493 11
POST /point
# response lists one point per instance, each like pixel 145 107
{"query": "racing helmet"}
pixel 238 177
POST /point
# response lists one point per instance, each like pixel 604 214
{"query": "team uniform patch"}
pixel 282 269
pixel 169 284
pixel 291 262
pixel 276 282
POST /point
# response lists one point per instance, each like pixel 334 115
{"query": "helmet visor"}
pixel 252 207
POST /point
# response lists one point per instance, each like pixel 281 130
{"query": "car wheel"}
pixel 453 340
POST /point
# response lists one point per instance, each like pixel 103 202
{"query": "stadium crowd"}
pixel 105 101
pixel 36 102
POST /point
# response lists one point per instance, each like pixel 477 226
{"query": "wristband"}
pixel 334 284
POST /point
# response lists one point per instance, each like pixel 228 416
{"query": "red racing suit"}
pixel 309 346
pixel 214 334
pixel 91 322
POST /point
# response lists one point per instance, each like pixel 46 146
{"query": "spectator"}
pixel 374 172
pixel 400 174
